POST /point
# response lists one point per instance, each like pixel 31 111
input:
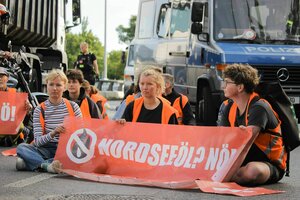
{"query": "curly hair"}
pixel 158 79
pixel 242 74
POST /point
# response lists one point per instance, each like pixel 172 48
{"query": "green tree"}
pixel 114 66
pixel 73 41
pixel 126 34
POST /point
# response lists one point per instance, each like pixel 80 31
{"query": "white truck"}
pixel 196 39
pixel 40 26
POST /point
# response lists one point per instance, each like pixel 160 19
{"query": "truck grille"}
pixel 291 85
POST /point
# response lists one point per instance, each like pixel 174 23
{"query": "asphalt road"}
pixel 34 185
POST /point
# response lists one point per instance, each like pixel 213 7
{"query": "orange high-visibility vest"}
pixel 179 106
pixel 167 110
pixel 85 109
pixel 11 89
pixel 97 97
pixel 270 141
pixel 43 108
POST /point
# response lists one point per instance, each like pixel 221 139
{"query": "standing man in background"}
pixel 87 63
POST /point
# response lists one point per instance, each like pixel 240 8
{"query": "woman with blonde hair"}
pixel 150 108
pixel 48 120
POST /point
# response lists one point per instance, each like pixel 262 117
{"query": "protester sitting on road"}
pixel 179 101
pixel 266 160
pixel 9 140
pixel 48 118
pixel 77 94
pixel 92 92
pixel 150 108
pixel 136 93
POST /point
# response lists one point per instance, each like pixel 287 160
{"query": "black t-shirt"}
pixel 147 116
pixel 259 114
pixel 85 63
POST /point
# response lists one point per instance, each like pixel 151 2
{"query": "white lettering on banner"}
pixel 8 113
pixel 182 155
pixel 272 50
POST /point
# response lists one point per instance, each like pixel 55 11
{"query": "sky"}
pixel 118 13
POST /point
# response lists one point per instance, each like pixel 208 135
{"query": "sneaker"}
pixel 20 164
pixel 51 167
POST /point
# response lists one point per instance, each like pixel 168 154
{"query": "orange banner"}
pixel 233 189
pixel 169 156
pixel 12 112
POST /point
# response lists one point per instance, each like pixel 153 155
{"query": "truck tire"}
pixel 206 109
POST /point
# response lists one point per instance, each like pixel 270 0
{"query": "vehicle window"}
pixel 130 56
pixel 163 20
pixel 146 19
pixel 180 19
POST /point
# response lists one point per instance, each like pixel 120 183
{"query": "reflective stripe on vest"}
pixel 167 110
pixel 42 113
pixel 270 141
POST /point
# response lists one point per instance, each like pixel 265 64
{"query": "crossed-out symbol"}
pixel 87 151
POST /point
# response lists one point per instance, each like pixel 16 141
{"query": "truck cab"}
pixel 195 40
pixel 40 26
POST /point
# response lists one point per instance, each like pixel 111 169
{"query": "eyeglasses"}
pixel 225 83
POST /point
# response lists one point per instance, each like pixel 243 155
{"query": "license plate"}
pixel 295 100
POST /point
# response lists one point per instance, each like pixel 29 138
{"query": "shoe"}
pixel 52 167
pixel 20 164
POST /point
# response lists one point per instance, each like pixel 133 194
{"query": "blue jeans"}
pixel 35 156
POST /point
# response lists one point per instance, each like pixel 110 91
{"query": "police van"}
pixel 196 39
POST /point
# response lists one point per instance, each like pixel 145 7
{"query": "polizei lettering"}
pixel 272 50
pixel 181 155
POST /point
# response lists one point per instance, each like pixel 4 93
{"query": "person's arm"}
pixel 95 64
pixel 173 119
pixel 39 138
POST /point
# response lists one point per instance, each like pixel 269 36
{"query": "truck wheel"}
pixel 206 112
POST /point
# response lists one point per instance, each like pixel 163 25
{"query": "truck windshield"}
pixel 265 21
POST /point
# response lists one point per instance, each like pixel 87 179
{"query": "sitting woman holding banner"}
pixel 150 108
pixel 47 126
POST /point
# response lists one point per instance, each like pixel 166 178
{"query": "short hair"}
pixel 55 73
pixel 169 78
pixel 84 44
pixel 75 74
pixel 142 69
pixel 158 79
pixel 242 74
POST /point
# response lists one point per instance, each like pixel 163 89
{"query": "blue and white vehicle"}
pixel 196 39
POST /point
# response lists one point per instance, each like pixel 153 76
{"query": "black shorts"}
pixel 256 155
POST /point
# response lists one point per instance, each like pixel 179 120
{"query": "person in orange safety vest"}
pixel 265 162
pixel 179 101
pixel 77 94
pixel 95 95
pixel 9 140
pixel 150 108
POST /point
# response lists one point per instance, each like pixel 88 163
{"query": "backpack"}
pixel 275 95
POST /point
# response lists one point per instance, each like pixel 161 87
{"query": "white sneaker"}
pixel 20 164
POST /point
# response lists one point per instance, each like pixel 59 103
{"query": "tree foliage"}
pixel 126 34
pixel 115 67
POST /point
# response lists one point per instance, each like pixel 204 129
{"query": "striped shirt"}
pixel 54 116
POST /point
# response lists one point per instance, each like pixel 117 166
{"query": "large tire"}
pixel 207 115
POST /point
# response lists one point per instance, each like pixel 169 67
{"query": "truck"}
pixel 194 40
pixel 40 27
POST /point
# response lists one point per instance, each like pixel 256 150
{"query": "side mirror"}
pixel 197 12
pixel 76 12
pixel 196 28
